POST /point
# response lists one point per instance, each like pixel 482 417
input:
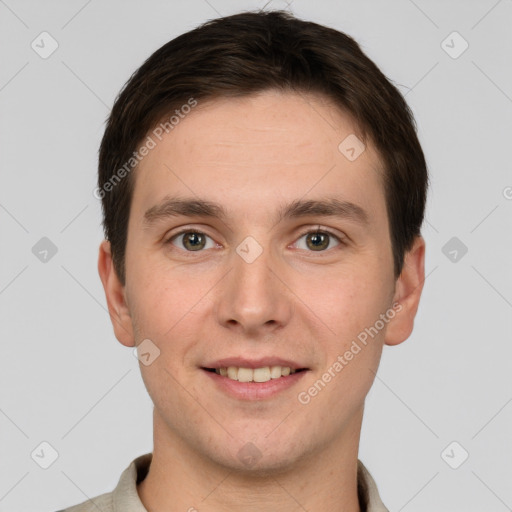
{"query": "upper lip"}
pixel 242 362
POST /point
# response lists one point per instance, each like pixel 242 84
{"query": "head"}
pixel 293 166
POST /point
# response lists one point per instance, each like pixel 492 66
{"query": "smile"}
pixel 256 383
pixel 263 374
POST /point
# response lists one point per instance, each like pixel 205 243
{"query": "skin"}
pixel 252 155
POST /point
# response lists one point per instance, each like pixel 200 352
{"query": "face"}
pixel 255 243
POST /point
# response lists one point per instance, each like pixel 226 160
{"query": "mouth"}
pixel 260 378
pixel 254 375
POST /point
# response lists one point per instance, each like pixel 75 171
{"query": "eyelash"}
pixel 321 230
pixel 325 231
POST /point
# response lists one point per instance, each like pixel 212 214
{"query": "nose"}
pixel 253 299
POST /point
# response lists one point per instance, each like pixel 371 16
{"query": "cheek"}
pixel 352 352
pixel 350 305
pixel 169 308
pixel 348 301
pixel 160 297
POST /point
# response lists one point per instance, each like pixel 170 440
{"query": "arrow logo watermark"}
pixel 146 352
pixel 454 249
pixel 249 249
pixel 44 250
pixel 351 147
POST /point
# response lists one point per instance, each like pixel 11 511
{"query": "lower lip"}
pixel 255 390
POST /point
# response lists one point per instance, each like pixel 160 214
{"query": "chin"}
pixel 253 462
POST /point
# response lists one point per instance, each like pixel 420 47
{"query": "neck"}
pixel 180 478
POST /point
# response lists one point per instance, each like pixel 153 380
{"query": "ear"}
pixel 408 288
pixel 115 294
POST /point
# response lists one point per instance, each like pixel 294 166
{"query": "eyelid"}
pixel 322 229
pixel 168 239
pixel 340 238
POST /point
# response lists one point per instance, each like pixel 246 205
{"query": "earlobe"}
pixel 115 295
pixel 408 290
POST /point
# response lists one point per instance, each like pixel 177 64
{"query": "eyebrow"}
pixel 192 207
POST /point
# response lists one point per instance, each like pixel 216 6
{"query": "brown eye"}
pixel 191 240
pixel 318 241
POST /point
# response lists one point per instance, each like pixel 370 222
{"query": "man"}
pixel 263 190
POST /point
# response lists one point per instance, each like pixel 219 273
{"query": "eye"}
pixel 192 240
pixel 318 240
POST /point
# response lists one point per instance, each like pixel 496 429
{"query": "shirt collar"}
pixel 126 499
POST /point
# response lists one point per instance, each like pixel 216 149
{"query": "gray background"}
pixel 64 378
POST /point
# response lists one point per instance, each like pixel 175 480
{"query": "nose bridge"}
pixel 253 298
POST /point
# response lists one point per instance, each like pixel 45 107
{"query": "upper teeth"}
pixel 254 375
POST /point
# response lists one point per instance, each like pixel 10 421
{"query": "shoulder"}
pixel 124 497
pixel 103 502
pixel 368 492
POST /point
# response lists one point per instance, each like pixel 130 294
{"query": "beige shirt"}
pixel 124 497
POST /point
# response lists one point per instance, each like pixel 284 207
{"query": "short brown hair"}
pixel 251 52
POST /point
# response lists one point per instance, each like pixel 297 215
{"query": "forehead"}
pixel 271 143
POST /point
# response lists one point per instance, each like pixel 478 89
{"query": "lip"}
pixel 253 390
pixel 242 362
